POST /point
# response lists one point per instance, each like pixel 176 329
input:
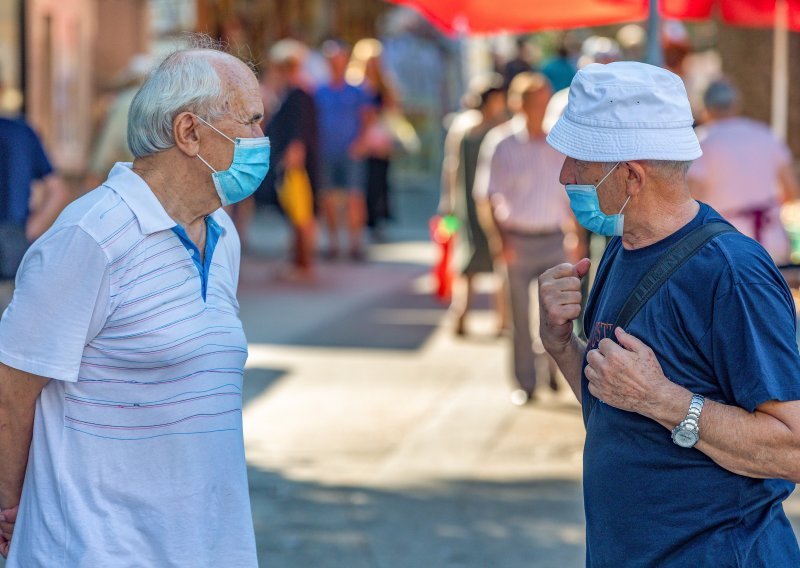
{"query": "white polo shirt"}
pixel 137 456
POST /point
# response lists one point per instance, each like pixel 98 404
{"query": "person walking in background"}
pixel 122 353
pixel 745 172
pixel 378 138
pixel 341 110
pixel 111 145
pixel 486 104
pixel 690 380
pixel 31 193
pixel 524 211
pixel 560 69
pixel 293 133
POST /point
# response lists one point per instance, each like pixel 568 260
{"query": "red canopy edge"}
pixel 487 16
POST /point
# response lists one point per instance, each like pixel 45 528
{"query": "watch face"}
pixel 685 438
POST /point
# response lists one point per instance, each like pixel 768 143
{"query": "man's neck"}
pixel 534 129
pixel 176 192
pixel 662 220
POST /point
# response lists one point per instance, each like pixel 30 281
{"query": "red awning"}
pixel 752 13
pixel 487 16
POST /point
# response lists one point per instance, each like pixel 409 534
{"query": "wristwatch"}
pixel 687 432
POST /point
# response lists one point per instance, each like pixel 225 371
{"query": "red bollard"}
pixel 443 232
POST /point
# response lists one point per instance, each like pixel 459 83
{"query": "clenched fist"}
pixel 560 303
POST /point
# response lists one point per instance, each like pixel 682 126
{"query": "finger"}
pixel 608 347
pixel 560 315
pixel 568 297
pixel 560 271
pixel 594 358
pixel 7 528
pixel 629 342
pixel 10 515
pixel 590 373
pixel 582 267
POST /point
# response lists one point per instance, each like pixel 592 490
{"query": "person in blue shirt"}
pixel 341 113
pixel 31 193
pixel 692 413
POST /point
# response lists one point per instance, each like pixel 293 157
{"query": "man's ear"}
pixel 634 177
pixel 185 131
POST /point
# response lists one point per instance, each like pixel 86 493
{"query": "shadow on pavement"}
pixel 456 523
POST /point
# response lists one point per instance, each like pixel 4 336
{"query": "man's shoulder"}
pixel 99 213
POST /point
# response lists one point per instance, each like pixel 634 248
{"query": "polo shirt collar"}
pixel 140 198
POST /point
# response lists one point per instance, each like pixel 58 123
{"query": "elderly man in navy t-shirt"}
pixel 692 413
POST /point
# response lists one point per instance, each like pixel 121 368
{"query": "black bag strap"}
pixel 666 266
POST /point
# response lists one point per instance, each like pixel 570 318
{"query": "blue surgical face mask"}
pixel 248 169
pixel 585 204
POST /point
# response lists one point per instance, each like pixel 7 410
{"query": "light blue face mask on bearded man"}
pixel 585 205
pixel 248 169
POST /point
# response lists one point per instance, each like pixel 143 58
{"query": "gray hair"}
pixel 664 169
pixel 720 96
pixel 187 80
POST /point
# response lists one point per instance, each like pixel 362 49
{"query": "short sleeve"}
pixel 41 164
pixel 754 344
pixel 488 169
pixel 60 303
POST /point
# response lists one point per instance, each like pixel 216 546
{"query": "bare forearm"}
pixel 753 444
pixel 18 394
pixel 15 442
pixel 569 359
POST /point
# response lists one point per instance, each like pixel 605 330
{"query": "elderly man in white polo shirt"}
pixel 122 352
pixel 524 211
pixel 690 380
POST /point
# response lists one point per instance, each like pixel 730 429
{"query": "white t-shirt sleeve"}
pixel 60 303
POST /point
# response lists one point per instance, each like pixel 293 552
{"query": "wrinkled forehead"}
pixel 241 86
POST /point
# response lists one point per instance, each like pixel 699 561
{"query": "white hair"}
pixel 187 80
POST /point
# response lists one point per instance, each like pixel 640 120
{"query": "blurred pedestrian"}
pixel 486 108
pixel 293 134
pixel 560 69
pixel 122 351
pixel 745 172
pixel 341 110
pixel 378 136
pixel 31 193
pixel 524 211
pixel 523 61
pixel 111 145
pixel 689 382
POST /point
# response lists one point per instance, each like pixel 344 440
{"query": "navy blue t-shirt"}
pixel 722 326
pixel 22 160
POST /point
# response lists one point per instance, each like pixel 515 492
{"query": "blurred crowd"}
pixel 335 121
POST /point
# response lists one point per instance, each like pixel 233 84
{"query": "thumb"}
pixel 582 267
pixel 10 515
pixel 628 341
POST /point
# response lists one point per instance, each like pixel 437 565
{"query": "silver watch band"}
pixel 692 419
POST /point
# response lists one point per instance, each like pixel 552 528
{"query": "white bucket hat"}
pixel 626 111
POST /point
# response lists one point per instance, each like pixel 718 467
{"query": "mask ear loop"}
pixel 214 128
pixel 605 176
pixel 206 163
pixel 624 205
